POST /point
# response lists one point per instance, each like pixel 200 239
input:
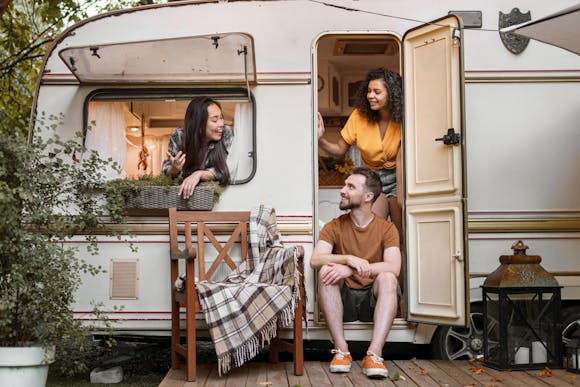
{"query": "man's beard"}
pixel 348 204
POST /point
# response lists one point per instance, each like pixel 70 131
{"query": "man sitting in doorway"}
pixel 358 258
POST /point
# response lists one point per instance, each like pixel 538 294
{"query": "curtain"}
pixel 239 160
pixel 106 133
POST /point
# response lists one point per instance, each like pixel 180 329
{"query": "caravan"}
pixel 506 111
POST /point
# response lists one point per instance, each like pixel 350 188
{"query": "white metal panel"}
pixel 434 212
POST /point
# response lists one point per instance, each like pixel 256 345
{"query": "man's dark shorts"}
pixel 360 304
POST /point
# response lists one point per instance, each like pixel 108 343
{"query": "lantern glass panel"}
pixel 521 328
pixel 572 360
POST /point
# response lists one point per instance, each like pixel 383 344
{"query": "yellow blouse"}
pixel 366 135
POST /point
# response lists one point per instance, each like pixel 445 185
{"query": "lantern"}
pixel 521 314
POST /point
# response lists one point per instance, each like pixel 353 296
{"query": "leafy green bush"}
pixel 46 197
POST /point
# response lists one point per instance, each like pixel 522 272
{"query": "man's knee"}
pixel 387 281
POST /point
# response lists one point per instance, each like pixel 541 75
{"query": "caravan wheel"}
pixel 453 343
pixel 570 324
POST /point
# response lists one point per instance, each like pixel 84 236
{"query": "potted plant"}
pixel 46 196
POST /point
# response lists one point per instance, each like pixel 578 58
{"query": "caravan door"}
pixel 434 169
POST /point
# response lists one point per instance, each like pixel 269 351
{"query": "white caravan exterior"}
pixel 514 173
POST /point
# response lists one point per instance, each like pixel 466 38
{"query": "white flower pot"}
pixel 24 366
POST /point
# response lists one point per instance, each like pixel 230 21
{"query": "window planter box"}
pixel 163 197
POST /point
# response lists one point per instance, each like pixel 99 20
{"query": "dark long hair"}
pixel 195 124
pixel 393 83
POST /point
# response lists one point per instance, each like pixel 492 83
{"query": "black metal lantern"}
pixel 572 360
pixel 521 314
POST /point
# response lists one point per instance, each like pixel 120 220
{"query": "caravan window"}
pixel 133 128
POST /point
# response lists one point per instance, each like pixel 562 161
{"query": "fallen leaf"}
pixel 424 373
pixel 265 383
pixel 414 359
pixel 476 370
pixel 546 372
pixel 394 377
pixel 573 377
pixel 469 385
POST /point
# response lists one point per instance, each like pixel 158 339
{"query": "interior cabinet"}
pixel 329 85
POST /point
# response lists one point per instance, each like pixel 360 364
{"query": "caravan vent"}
pixel 166 123
pixel 364 47
pixel 124 279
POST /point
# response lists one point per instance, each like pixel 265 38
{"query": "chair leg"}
pixel 175 334
pixel 191 346
pixel 298 340
pixel 273 354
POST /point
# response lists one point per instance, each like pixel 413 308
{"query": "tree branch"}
pixel 23 55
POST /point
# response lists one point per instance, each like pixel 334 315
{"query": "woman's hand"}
pixel 177 162
pixel 189 183
pixel 321 129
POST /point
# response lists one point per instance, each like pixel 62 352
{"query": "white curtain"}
pixel 106 133
pixel 239 162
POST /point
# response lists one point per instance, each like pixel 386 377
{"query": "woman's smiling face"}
pixel 215 123
pixel 377 94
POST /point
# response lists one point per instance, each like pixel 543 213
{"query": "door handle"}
pixel 451 138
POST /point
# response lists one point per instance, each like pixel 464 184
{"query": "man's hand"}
pixel 331 273
pixel 361 266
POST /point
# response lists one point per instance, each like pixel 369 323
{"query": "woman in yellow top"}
pixel 375 128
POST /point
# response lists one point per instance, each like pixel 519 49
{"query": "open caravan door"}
pixel 434 182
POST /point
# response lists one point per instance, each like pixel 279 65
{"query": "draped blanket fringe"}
pixel 244 311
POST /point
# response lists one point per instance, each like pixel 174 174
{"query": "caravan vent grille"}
pixel 124 279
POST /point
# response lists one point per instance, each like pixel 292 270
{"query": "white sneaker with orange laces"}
pixel 373 367
pixel 341 361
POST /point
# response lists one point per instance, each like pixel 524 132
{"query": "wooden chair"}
pixel 236 225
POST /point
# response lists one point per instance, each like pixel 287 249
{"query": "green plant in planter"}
pixel 46 196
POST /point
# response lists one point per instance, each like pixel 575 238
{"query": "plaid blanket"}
pixel 244 311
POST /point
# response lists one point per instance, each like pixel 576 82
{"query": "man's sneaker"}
pixel 373 367
pixel 341 361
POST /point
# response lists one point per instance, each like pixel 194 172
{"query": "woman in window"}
pixel 375 128
pixel 198 152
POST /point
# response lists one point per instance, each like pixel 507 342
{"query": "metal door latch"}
pixel 451 138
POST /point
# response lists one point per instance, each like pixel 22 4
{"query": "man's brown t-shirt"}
pixel 367 243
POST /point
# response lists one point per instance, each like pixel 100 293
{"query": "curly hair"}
pixel 393 83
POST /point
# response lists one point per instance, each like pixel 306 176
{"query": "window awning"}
pixel 218 58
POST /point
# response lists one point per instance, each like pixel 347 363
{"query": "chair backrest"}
pixel 205 225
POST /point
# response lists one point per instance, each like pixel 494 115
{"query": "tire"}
pixel 455 343
pixel 570 324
